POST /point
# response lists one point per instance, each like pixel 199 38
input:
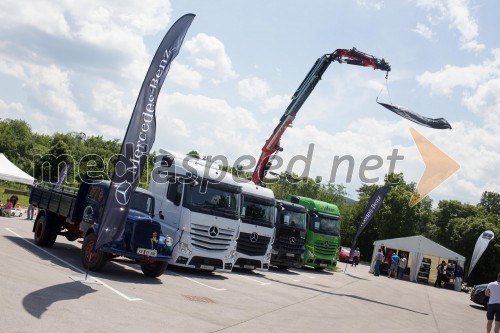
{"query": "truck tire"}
pixel 92 260
pixel 154 269
pixel 42 236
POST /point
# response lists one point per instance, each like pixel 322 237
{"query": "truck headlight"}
pixel 185 248
pixel 169 241
pixel 231 255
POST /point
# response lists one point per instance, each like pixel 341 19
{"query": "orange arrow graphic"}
pixel 438 167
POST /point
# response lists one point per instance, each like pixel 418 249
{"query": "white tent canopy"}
pixel 418 246
pixel 9 171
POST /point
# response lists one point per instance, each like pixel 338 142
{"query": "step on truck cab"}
pixel 323 232
pixel 290 238
pixel 199 205
pixel 253 250
pixel 75 213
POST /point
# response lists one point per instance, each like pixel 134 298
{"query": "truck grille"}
pixel 326 248
pixel 285 244
pixel 219 240
pixel 252 248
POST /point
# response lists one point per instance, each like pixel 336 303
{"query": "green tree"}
pixel 491 202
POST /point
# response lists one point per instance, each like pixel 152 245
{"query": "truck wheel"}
pixel 154 269
pixel 93 260
pixel 42 236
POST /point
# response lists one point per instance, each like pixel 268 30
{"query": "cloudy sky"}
pixel 66 66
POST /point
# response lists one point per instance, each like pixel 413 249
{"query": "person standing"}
pixel 378 260
pixel 493 292
pixel 30 212
pixel 402 266
pixel 440 274
pixel 355 258
pixel 394 266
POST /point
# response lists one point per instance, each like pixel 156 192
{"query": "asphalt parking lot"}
pixel 41 291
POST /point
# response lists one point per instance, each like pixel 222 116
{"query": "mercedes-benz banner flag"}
pixel 139 137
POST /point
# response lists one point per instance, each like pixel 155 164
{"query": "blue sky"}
pixel 78 67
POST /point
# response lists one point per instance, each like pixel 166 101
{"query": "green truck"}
pixel 323 232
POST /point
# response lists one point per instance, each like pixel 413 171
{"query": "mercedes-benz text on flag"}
pixel 139 137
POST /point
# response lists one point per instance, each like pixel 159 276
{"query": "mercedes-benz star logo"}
pixel 292 240
pixel 326 243
pixel 254 237
pixel 213 231
pixel 123 194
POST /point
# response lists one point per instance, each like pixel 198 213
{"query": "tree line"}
pixel 451 223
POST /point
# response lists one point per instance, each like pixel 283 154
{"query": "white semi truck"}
pixel 199 205
pixel 257 227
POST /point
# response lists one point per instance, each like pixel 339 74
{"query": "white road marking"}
pixel 192 280
pixel 77 269
pixel 283 275
pixel 254 280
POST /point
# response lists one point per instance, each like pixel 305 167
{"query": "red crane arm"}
pixel 272 145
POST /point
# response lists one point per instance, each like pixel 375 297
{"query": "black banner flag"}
pixel 370 211
pixel 438 123
pixel 140 136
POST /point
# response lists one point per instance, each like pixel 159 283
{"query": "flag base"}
pixel 84 279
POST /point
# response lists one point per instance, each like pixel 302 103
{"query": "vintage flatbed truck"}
pixel 75 214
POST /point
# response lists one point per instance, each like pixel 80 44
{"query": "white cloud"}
pixel 370 5
pixel 184 75
pixel 424 31
pixel 444 81
pixel 11 110
pixel 457 13
pixel 252 88
pixel 208 53
pixel 196 122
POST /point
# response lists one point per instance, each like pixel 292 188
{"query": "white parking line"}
pixel 254 280
pixel 77 269
pixel 192 280
pixel 283 275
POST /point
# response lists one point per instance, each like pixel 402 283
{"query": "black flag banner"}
pixel 139 137
pixel 438 123
pixel 370 211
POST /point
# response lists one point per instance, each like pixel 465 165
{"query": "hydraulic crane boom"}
pixel 272 145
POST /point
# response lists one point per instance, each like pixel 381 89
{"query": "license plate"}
pixel 290 255
pixel 210 268
pixel 322 265
pixel 248 266
pixel 147 252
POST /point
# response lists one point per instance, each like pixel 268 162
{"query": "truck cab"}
pixel 253 250
pixel 199 205
pixel 288 247
pixel 323 232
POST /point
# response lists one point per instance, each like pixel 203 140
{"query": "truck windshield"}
pixel 258 211
pixel 325 224
pixel 214 199
pixel 292 218
pixel 142 202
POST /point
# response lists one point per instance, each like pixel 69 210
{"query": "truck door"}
pixel 173 205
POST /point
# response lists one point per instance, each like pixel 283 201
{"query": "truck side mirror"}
pixel 160 214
